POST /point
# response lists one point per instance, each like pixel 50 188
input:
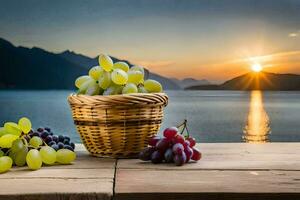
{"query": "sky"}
pixel 202 39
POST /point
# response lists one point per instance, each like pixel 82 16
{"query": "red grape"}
pixel 189 153
pixel 162 144
pixel 156 157
pixel 154 140
pixel 192 141
pixel 169 155
pixel 196 154
pixel 178 148
pixel 179 139
pixel 170 132
pixel 186 144
pixel 180 159
pixel 145 154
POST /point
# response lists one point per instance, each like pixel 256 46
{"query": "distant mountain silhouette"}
pixel 256 81
pixel 188 82
pixel 35 68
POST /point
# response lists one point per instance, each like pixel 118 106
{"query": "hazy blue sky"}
pixel 213 39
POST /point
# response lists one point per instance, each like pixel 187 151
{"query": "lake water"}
pixel 213 116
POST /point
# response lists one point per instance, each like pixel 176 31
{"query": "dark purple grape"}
pixel 146 153
pixel 50 133
pixel 156 157
pixel 55 138
pixel 27 138
pixel 68 147
pixel 47 129
pixel 60 145
pixel 153 141
pixel 169 155
pixel 163 144
pixel 67 142
pixel 61 138
pixel 67 138
pixel 51 143
pixel 72 145
pixel 180 159
pixel 36 134
pixel 48 139
pixel 55 146
pixel 44 134
pixel 40 129
pixel 189 153
pixel 178 149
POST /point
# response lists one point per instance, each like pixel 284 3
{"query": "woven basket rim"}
pixel 117 96
pixel 142 99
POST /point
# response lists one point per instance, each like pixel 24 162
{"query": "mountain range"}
pixel 36 68
pixel 189 82
pixel 256 81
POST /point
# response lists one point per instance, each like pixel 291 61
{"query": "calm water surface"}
pixel 213 116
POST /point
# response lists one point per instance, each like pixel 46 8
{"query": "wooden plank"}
pixel 271 156
pixel 206 184
pixel 14 189
pixel 88 178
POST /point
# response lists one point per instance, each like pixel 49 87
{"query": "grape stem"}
pixel 184 125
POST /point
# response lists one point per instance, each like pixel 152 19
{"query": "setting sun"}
pixel 256 67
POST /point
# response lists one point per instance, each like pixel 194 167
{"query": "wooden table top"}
pixel 226 171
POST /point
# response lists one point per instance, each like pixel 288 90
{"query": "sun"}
pixel 256 67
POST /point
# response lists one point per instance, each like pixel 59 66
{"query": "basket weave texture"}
pixel 117 126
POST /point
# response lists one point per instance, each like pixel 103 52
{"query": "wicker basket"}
pixel 117 126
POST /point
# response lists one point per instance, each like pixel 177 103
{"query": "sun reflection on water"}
pixel 257 128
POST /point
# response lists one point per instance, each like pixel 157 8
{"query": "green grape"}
pixel 3 131
pixel 85 86
pixel 152 86
pixel 25 125
pixel 96 72
pixel 48 155
pixel 105 80
pixel 20 157
pixel 135 77
pixel 129 88
pixel 1 153
pixel 17 145
pixel 119 77
pixel 35 141
pixel 34 159
pixel 137 68
pixel 93 89
pixel 121 65
pixel 7 140
pixel 105 62
pixel 81 79
pixel 65 156
pixel 12 155
pixel 142 89
pixel 113 89
pixel 12 128
pixel 5 164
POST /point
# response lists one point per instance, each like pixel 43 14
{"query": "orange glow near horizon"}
pixel 227 68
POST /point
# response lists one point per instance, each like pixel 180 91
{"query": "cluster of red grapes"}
pixel 172 148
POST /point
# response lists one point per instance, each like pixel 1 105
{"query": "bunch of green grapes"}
pixel 109 78
pixel 18 146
